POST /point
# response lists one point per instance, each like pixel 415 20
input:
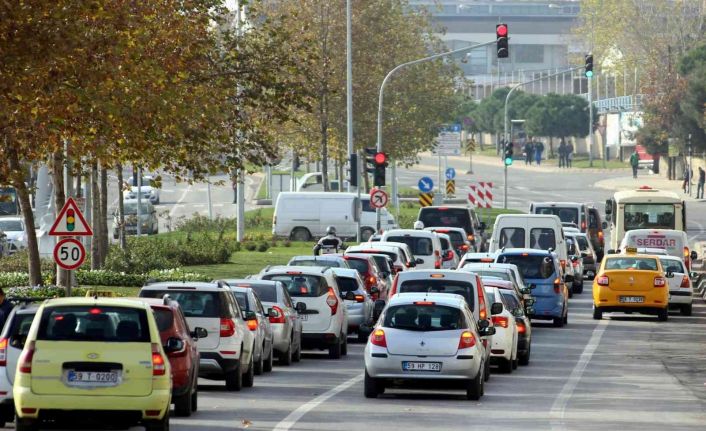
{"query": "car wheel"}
pixel 26 424
pixel 298 354
pixel 558 322
pixel 571 292
pixel 362 337
pixel 579 289
pixel 663 315
pixel 474 387
pixel 686 310
pixel 486 371
pixel 249 377
pixel 7 414
pixel 234 379
pixel 195 400
pixel 183 405
pixel 515 362
pixel 505 366
pixel 260 364
pixel 158 425
pixel 524 358
pixel 267 367
pixel 300 234
pixel 365 234
pixel 334 351
pixel 370 386
pixel 566 318
pixel 597 313
pixel 344 346
pixel 285 358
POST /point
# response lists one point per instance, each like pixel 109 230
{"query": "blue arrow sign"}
pixel 426 184
pixel 450 173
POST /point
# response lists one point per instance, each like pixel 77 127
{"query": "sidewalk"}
pixel 520 165
pixel 644 179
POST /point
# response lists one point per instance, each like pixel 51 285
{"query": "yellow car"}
pixel 631 282
pixel 93 359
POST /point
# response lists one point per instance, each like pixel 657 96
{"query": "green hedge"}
pixel 103 277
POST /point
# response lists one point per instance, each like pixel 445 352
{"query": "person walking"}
pixel 700 186
pixel 687 178
pixel 528 152
pixel 562 154
pixel 538 150
pixel 634 163
pixel 569 150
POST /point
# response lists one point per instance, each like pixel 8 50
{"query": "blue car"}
pixel 543 274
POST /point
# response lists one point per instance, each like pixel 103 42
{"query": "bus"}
pixel 8 201
pixel 644 208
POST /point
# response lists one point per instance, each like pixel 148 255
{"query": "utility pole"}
pixel 349 90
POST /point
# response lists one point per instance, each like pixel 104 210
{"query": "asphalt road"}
pixel 624 372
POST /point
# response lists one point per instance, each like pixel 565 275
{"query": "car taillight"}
pixel 467 340
pixel 687 258
pixel 158 366
pixel 252 325
pixel 521 328
pixel 3 352
pixel 660 282
pixel 482 312
pixel 276 315
pixel 557 285
pixel 602 280
pixel 25 363
pixel 464 247
pixel 359 298
pixel 227 327
pixel 377 338
pixel 372 281
pixel 501 321
pixel 393 291
pixel 583 226
pixel 684 283
pixel 332 301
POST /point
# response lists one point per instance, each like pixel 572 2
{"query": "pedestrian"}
pixel 687 179
pixel 562 154
pixel 5 308
pixel 634 163
pixel 569 154
pixel 538 150
pixel 528 152
pixel 700 187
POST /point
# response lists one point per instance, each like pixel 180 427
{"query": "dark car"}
pixel 375 283
pixel 595 232
pixel 456 216
pixel 180 346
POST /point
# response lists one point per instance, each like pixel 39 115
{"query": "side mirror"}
pixel 568 278
pixel 529 311
pixel 694 255
pixel 693 274
pixel 608 207
pixel 486 332
pixel 173 345
pixel 483 323
pixel 411 264
pixel 525 291
pixel 250 315
pixel 199 332
pixel 300 307
pixel 529 301
pixel 604 225
pixel 374 290
pixel 496 308
pixel 385 274
pixel 349 296
pixel 419 261
pixel 670 274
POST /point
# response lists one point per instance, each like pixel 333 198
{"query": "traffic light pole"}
pixel 505 121
pixel 382 92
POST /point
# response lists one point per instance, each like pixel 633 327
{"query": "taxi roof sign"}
pixel 631 250
pixel 70 221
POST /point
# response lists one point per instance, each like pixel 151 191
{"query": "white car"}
pixel 149 190
pixel 458 237
pixel 15 237
pixel 425 245
pixel 575 264
pixel 360 308
pixel 228 350
pixel 324 315
pixel 503 350
pixel 680 287
pixel 429 337
pixel 400 253
pixel 469 258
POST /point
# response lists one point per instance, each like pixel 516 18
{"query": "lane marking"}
pixel 181 199
pixel 558 410
pixel 297 414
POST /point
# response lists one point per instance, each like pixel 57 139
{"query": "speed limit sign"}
pixel 69 253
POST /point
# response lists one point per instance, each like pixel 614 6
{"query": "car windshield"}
pixel 242 299
pixel 94 323
pixel 412 317
pixel 462 288
pixel 164 318
pixel 20 329
pixel 359 265
pixel 130 208
pixel 649 216
pixel 421 246
pixel 448 217
pixel 457 238
pixel 328 263
pixel 567 215
pixel 631 263
pixel 265 293
pixel 512 237
pixel 382 263
pixel 347 284
pixel 673 265
pixel 531 266
pixel 11 226
pixel 583 243
pixel 193 303
pixel 301 285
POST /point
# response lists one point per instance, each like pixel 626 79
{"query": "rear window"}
pixel 583 242
pixel 359 265
pixel 424 318
pixel 497 274
pixel 420 246
pixel 592 219
pixel 635 263
pixel 347 284
pixel 164 318
pixel 301 285
pixel 266 293
pixel 445 244
pixel 20 328
pixel 193 303
pixel 328 263
pixel 566 215
pixel 511 300
pixel 512 237
pixel 462 288
pixel 457 238
pixel 449 217
pixel 530 266
pixel 673 265
pixel 542 238
pixel 94 323
pixel 242 299
pixel 382 263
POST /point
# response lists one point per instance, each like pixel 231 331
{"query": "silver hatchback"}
pixel 429 338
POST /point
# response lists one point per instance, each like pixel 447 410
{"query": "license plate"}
pixel 92 379
pixel 421 366
pixel 632 299
pixel 303 317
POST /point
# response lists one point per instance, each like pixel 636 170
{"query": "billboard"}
pixel 630 122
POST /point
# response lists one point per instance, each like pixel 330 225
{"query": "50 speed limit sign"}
pixel 69 253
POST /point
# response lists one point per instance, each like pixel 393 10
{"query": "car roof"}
pixel 157 302
pixel 554 204
pixel 485 265
pixel 191 285
pixel 305 270
pixel 346 272
pixel 392 244
pixel 335 257
pixel 623 255
pixel 362 256
pixel 440 229
pixel 497 283
pixel 25 308
pixel 247 282
pixel 105 301
pixel 423 274
pixel 409 232
pixel 452 299
pixel 532 251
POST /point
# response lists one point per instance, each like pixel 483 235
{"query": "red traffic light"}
pixel 380 158
pixel 501 30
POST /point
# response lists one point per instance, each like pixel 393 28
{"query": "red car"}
pixel 375 283
pixel 180 346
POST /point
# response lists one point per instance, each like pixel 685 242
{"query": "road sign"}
pixel 425 199
pixel 425 185
pixel 450 173
pixel 69 253
pixel 378 198
pixel 450 187
pixel 447 144
pixel 481 194
pixel 70 221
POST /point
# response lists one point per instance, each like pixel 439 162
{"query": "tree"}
pixel 558 116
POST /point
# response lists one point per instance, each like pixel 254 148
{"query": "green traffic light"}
pixel 508 161
pixel 589 73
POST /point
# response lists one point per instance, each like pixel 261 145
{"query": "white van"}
pixel 302 216
pixel 536 231
pixel 425 245
pixel 673 242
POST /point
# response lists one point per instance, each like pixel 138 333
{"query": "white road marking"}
pixel 181 199
pixel 558 411
pixel 291 419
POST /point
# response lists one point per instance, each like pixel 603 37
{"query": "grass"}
pixel 244 263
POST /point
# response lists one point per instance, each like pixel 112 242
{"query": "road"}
pixel 624 372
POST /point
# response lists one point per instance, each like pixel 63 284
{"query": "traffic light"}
pixel 501 35
pixel 380 165
pixel 353 177
pixel 70 220
pixel 588 67
pixel 508 153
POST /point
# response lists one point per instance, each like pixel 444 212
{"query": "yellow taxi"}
pixel 93 360
pixel 631 282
